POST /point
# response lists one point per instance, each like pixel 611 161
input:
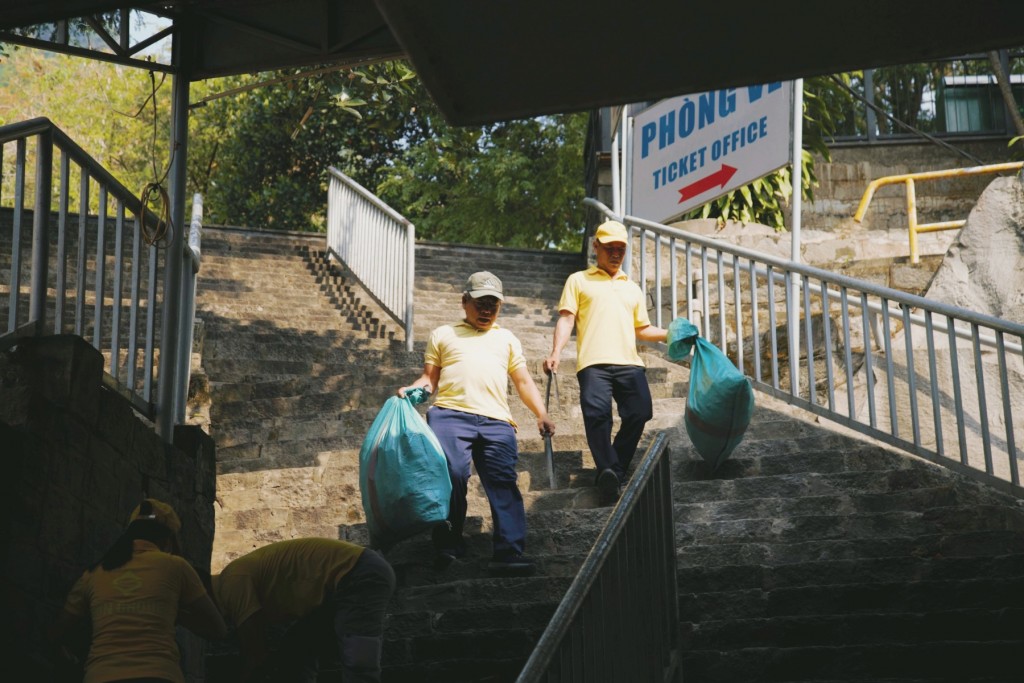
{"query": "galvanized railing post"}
pixel 186 327
pixel 41 229
pixel 169 394
pixel 410 283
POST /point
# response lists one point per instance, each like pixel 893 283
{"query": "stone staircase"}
pixel 811 555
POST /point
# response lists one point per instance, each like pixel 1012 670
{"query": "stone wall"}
pixel 843 180
pixel 76 460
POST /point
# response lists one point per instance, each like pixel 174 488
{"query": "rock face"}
pixel 984 268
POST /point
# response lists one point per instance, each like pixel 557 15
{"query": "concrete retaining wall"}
pixel 76 461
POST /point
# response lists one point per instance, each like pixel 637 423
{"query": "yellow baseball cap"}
pixel 158 511
pixel 611 231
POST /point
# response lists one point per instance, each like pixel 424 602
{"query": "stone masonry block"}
pixel 194 443
pixel 65 370
pixel 115 421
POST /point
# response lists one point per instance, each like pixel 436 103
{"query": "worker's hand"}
pixel 551 365
pixel 401 392
pixel 546 426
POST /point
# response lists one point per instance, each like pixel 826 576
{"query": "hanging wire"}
pixel 161 233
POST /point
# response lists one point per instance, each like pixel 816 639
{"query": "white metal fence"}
pixel 94 273
pixel 375 244
pixel 938 381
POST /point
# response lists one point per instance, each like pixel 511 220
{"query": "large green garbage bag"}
pixel 403 474
pixel 721 400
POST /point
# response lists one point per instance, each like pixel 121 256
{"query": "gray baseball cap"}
pixel 484 284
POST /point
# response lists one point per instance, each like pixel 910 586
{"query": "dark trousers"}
pixel 627 384
pixel 490 445
pixel 352 616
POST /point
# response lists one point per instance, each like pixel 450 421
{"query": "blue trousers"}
pixel 627 384
pixel 350 621
pixel 490 445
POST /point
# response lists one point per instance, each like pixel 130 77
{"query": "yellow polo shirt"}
pixel 133 611
pixel 608 311
pixel 475 365
pixel 286 579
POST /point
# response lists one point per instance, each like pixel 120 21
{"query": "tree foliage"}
pixel 268 164
pixel 119 115
pixel 516 183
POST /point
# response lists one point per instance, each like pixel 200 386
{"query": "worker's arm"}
pixel 428 380
pixel 528 391
pixel 202 618
pixel 563 330
pixel 651 333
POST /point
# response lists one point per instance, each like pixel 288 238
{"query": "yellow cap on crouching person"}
pixel 611 231
pixel 158 511
pixel 484 284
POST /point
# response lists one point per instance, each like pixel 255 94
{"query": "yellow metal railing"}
pixel 908 179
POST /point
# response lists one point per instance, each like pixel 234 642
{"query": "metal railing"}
pixel 938 381
pixel 619 620
pixel 187 319
pixel 375 244
pixel 94 273
pixel 908 180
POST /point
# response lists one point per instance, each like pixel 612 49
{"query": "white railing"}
pixel 94 273
pixel 374 244
pixel 187 313
pixel 938 381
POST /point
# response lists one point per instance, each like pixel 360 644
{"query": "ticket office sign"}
pixel 691 149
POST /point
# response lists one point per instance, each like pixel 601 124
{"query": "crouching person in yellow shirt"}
pixel 325 587
pixel 133 598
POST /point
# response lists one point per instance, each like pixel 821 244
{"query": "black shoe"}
pixel 444 557
pixel 447 546
pixel 609 486
pixel 514 564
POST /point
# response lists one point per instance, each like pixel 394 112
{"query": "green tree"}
pixel 276 142
pixel 119 115
pixel 517 183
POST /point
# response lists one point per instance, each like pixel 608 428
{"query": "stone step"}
pixel 867 626
pixel 971 543
pixel 948 659
pixel 830 478
pixel 842 499
pixel 825 572
pixel 900 523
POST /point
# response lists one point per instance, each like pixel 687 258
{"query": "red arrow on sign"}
pixel 717 179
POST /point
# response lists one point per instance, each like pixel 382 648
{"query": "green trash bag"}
pixel 403 474
pixel 721 400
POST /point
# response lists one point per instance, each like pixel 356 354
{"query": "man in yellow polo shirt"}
pixel 468 365
pixel 610 315
pixel 327 587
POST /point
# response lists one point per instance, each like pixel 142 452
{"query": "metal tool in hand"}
pixel 548 452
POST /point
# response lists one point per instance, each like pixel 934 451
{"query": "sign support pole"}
pixel 797 202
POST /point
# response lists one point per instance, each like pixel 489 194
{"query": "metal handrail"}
pixel 913 383
pixel 375 244
pixel 619 620
pixel 117 333
pixel 186 331
pixel 908 180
